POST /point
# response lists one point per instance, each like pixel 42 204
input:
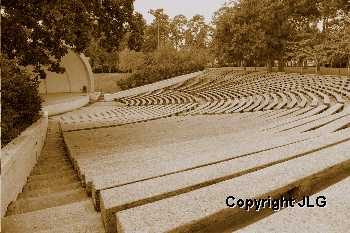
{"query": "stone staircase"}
pixel 53 199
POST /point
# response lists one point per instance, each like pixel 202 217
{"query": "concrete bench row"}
pixel 107 176
pixel 121 115
pixel 293 116
pixel 333 217
pixel 163 98
pixel 250 91
pixel 205 207
pixel 273 88
pixel 301 124
pixel 272 80
pixel 266 101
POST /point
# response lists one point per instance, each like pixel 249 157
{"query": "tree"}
pixel 157 33
pixel 178 28
pixel 320 35
pixel 274 29
pixel 131 61
pixel 161 26
pixel 339 39
pixel 178 32
pixel 20 100
pixel 238 35
pixel 39 33
pixel 197 33
pixel 309 44
pixel 136 32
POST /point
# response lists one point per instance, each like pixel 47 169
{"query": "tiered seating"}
pixel 266 135
pixel 216 90
pixel 273 91
pixel 112 115
pixel 207 169
pixel 317 219
pixel 205 207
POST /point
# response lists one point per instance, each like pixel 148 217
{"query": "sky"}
pixel 188 8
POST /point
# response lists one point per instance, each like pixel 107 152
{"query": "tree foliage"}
pixel 178 32
pixel 268 30
pixel 20 100
pixel 164 63
pixel 40 32
pixel 131 61
pixel 136 32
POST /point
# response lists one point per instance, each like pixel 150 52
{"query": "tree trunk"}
pixel 280 65
pixel 301 66
pixel 269 65
pixel 243 64
pixel 318 68
pixel 331 62
pixel 349 66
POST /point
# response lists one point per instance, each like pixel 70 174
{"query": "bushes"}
pixel 106 69
pixel 130 61
pixel 163 64
pixel 20 100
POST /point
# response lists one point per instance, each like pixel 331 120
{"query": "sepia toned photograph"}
pixel 175 116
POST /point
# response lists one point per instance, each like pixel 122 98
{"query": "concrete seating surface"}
pixel 248 126
pixel 331 218
pixel 164 157
pixel 206 205
pixel 55 104
pixel 119 115
pixel 108 170
pixel 135 194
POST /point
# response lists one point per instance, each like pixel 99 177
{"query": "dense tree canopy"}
pixel 268 30
pixel 170 47
pixel 40 32
pixel 178 32
pixel 136 32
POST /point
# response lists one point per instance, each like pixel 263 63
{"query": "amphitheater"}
pixel 164 158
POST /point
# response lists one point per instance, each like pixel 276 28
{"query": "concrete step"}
pixel 154 162
pixel 46 219
pixel 205 208
pixel 140 193
pixel 35 185
pixel 53 167
pixel 53 160
pixel 51 151
pixel 59 157
pixel 25 205
pixel 49 190
pixel 91 224
pixel 50 169
pixel 49 164
pixel 333 218
pixel 53 148
pixel 52 176
pixel 63 179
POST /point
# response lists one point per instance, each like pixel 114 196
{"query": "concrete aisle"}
pixel 53 199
